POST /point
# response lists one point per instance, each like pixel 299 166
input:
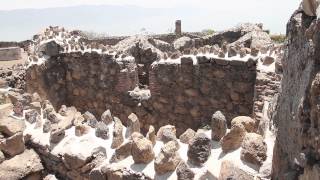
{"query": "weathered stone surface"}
pixel 117 139
pixel 106 117
pixel 268 60
pixel 81 129
pixel 50 177
pixel 218 126
pixel 90 119
pixel 13 145
pixel 297 113
pixel 168 158
pixel 231 171
pixel 46 126
pixel 21 166
pixel 187 136
pixel 246 121
pixel 199 149
pixel 182 43
pixel 184 172
pixel 233 139
pixel 10 126
pixel 57 134
pixel 310 7
pixel 166 133
pixel 133 125
pixel 142 149
pixel 254 149
pixel 32 116
pixel 74 161
pixel 151 135
pixel 122 152
pixel 50 49
pixel 121 173
pixel 102 130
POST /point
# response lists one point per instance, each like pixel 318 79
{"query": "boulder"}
pixel 13 145
pixel 183 43
pixel 81 129
pixel 218 126
pixel 167 133
pixel 102 130
pixel 32 116
pixel 63 110
pixel 187 136
pixel 151 135
pixel 142 149
pixel 267 60
pixel 117 139
pixel 90 119
pixel 254 149
pixel 246 121
pixel 50 48
pixel 53 117
pixel 21 166
pixel 230 171
pixel 36 106
pixel 133 124
pixel 106 117
pixel 74 161
pixel 199 149
pixel 50 177
pixel 46 126
pixel 10 126
pixel 168 158
pixel 184 172
pixel 57 134
pixel 122 152
pixel 233 139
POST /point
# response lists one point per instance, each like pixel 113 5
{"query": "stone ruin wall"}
pixel 184 95
pixel 187 95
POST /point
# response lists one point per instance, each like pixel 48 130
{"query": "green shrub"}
pixel 208 31
pixel 278 38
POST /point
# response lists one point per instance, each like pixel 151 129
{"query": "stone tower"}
pixel 178 28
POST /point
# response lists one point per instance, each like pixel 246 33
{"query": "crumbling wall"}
pixel 89 81
pixel 187 95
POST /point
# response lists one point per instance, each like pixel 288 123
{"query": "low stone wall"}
pixel 184 95
pixel 88 82
pixel 187 95
pixel 11 53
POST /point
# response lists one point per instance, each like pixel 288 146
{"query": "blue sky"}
pixel 124 17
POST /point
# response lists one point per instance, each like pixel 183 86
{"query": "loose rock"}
pixel 133 124
pixel 168 158
pixel 218 126
pixel 13 145
pixel 117 133
pixel 254 149
pixel 246 121
pixel 184 172
pixel 199 149
pixel 233 139
pixel 187 136
pixel 106 117
pixel 102 130
pixel 142 149
pixel 151 135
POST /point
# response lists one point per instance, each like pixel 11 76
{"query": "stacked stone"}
pixel 229 84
